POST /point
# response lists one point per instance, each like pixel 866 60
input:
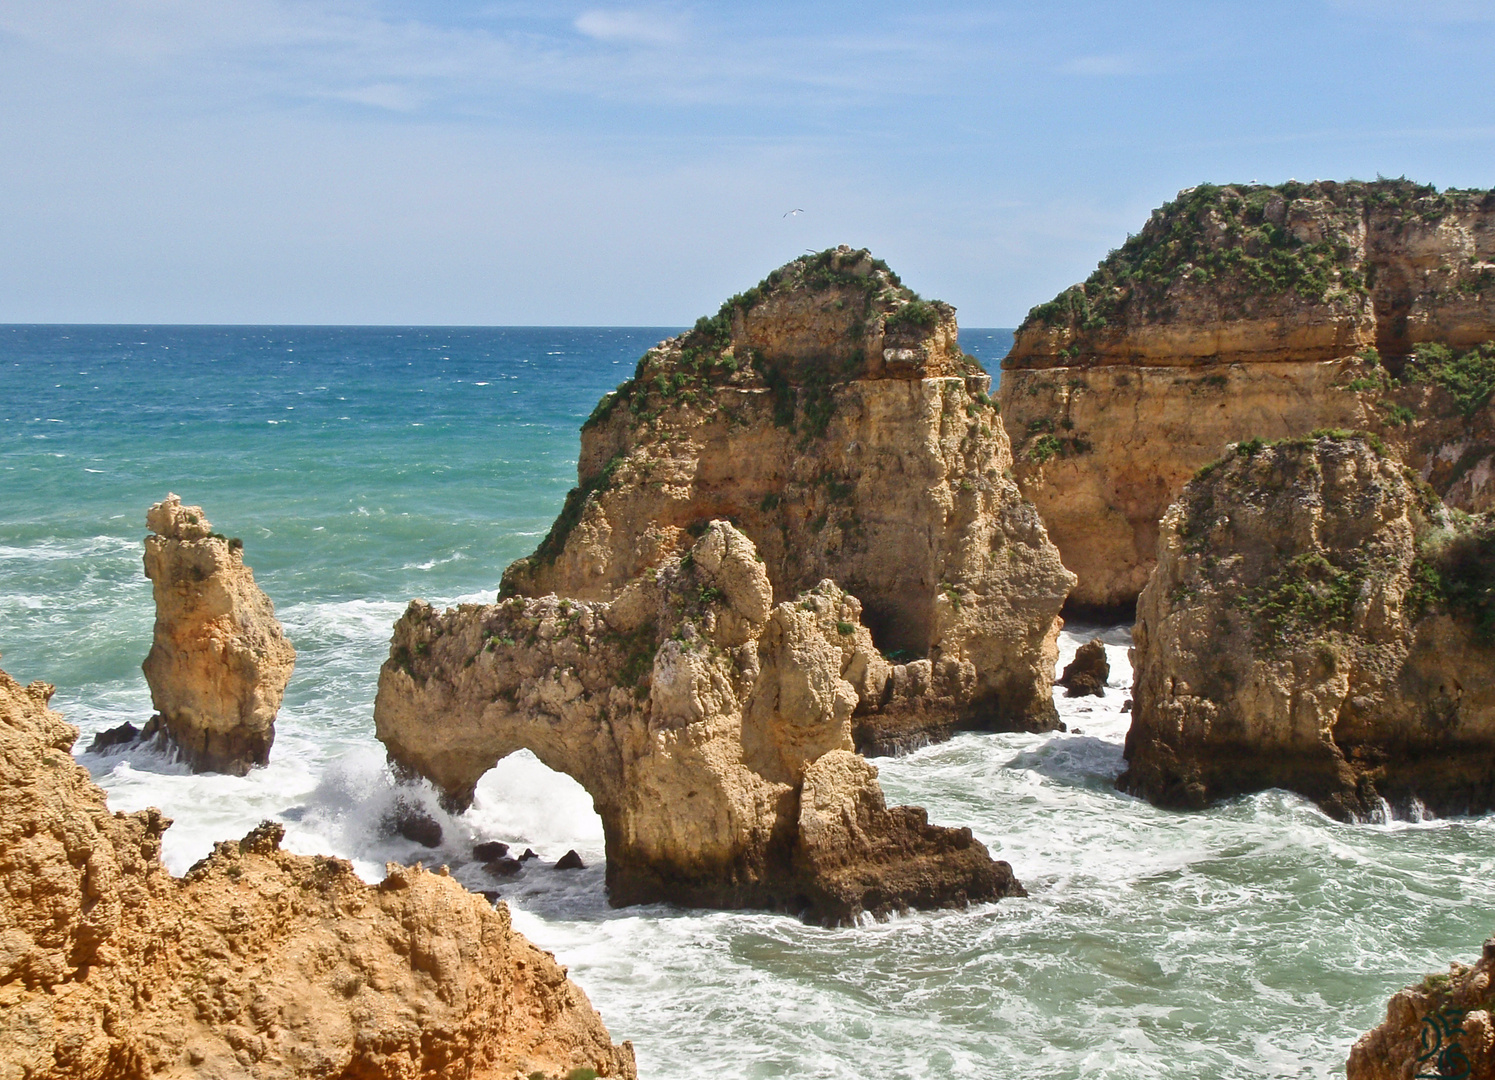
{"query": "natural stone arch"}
pixel 711 728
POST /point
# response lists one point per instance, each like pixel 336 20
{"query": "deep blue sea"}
pixel 366 466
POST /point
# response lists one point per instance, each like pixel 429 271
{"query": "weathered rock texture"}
pixel 831 415
pixel 219 663
pixel 1087 673
pixel 256 963
pixel 1442 1027
pixel 711 727
pixel 1317 621
pixel 1250 311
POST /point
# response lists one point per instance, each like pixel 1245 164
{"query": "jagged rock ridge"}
pixel 1252 311
pixel 830 414
pixel 711 727
pixel 1317 621
pixel 219 661
pixel 257 962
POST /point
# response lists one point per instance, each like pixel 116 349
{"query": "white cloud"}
pixel 635 27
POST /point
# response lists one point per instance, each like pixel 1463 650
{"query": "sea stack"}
pixel 257 962
pixel 831 415
pixel 1251 311
pixel 1318 621
pixel 219 661
pixel 710 725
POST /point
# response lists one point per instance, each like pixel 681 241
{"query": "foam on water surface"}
pixel 1256 939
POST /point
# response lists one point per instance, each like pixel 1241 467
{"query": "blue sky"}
pixel 349 161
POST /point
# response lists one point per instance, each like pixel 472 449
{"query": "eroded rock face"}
pixel 1441 1027
pixel 1241 312
pixel 1317 621
pixel 257 962
pixel 711 726
pixel 1087 673
pixel 219 663
pixel 831 416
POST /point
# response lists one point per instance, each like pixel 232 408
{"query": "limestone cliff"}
pixel 711 726
pixel 1317 621
pixel 1250 311
pixel 257 962
pixel 830 414
pixel 219 662
pixel 1441 1027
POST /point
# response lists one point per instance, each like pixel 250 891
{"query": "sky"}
pixel 403 162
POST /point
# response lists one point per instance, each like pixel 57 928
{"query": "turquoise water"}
pixel 366 466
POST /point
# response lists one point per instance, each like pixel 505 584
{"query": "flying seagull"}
pixel 794 213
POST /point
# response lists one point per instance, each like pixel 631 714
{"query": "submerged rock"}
pixel 257 962
pixel 1088 671
pixel 489 850
pixel 1441 1027
pixel 1317 621
pixel 413 823
pixel 711 726
pixel 831 415
pixel 1248 311
pixel 219 662
pixel 570 861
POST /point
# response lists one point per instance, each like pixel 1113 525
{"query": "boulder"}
pixel 831 415
pixel 570 861
pixel 1250 311
pixel 219 661
pixel 706 722
pixel 257 962
pixel 1088 671
pixel 1318 621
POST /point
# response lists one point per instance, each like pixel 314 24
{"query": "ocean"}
pixel 366 466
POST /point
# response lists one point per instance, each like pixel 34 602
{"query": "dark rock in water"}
pixel 114 738
pixel 504 866
pixel 493 896
pixel 1088 672
pixel 570 861
pixel 489 850
pixel 294 813
pixel 529 853
pixel 413 823
pixel 1126 706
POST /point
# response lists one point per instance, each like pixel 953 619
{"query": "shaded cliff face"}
pixel 830 415
pixel 711 726
pixel 1317 621
pixel 257 962
pixel 1441 1027
pixel 1241 312
pixel 219 661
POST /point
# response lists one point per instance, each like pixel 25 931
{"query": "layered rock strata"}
pixel 711 726
pixel 1250 311
pixel 830 414
pixel 1317 621
pixel 257 962
pixel 1441 1027
pixel 219 661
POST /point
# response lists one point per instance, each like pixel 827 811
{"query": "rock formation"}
pixel 219 663
pixel 1317 621
pixel 711 727
pixel 257 962
pixel 1254 312
pixel 1087 673
pixel 1442 1027
pixel 831 416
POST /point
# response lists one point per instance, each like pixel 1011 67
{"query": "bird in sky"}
pixel 794 213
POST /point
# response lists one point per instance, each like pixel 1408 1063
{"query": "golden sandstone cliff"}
pixel 1319 621
pixel 711 726
pixel 1254 312
pixel 830 414
pixel 257 963
pixel 219 662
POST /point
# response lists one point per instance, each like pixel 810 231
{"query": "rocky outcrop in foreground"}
pixel 711 727
pixel 1317 621
pixel 219 663
pixel 831 415
pixel 1245 312
pixel 257 962
pixel 1441 1027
